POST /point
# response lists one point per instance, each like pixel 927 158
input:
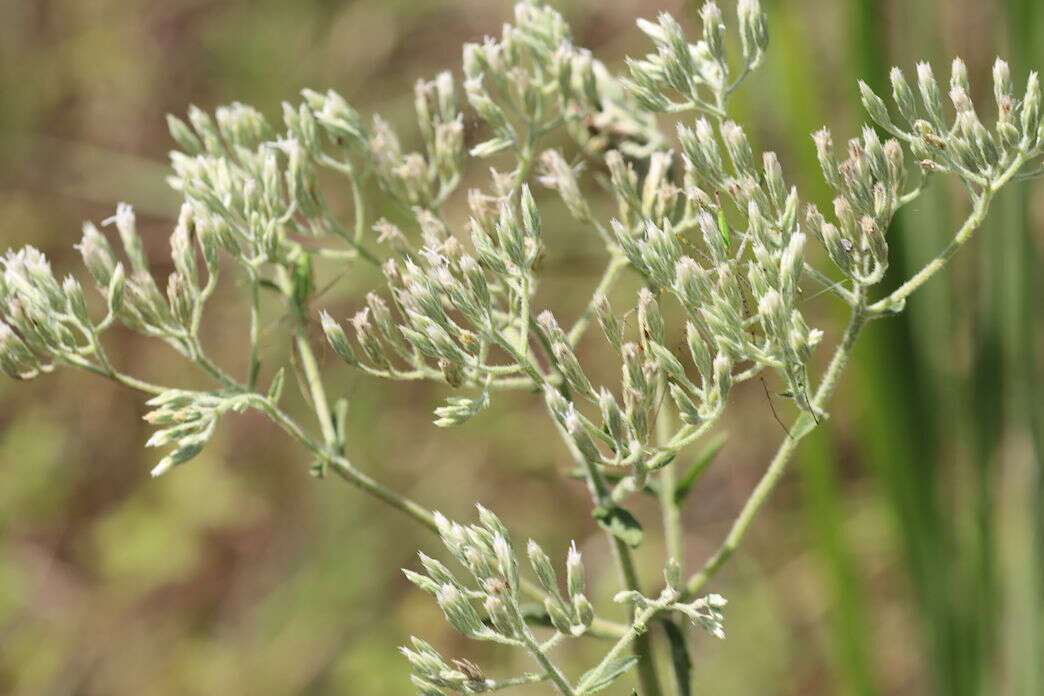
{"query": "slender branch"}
pixel 212 368
pixel 110 373
pixel 517 681
pixel 616 264
pixel 600 628
pixel 360 213
pixel 550 669
pixel 778 466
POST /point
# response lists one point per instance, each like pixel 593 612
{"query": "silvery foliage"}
pixel 707 225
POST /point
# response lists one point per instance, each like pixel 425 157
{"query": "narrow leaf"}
pixel 613 671
pixel 275 390
pixel 620 523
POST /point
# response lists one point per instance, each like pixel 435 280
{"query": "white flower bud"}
pixel 337 338
pixel 931 97
pixel 903 96
pixel 575 572
pixel 541 563
pixel 875 106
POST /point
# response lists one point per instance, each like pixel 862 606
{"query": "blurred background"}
pixel 904 553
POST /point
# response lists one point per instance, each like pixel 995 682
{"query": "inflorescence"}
pixel 705 222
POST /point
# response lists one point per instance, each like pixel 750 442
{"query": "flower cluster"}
pixel 708 226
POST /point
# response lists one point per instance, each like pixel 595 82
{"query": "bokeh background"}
pixel 904 553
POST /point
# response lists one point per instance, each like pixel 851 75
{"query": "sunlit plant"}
pixel 704 222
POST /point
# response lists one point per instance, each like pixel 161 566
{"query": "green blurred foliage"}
pixel 905 556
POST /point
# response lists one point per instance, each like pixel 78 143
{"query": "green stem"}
pixel 786 450
pixel 612 271
pixel 672 526
pixel 972 223
pixel 518 681
pixel 360 212
pixel 670 511
pixel 550 669
pixel 255 332
pixel 600 628
pixel 110 373
pixel 523 319
pixel 634 635
pixel 313 379
pixel 213 369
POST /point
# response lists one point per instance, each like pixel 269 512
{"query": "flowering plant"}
pixel 706 225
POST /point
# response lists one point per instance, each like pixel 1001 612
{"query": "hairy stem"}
pixel 313 380
pixel 550 669
pixel 634 634
pixel 972 223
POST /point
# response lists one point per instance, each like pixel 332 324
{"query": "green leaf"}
pixel 620 523
pixel 703 460
pixel 612 672
pixel 275 390
pixel 679 657
pixel 666 461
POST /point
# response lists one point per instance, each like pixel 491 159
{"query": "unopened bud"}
pixel 459 612
pixel 738 147
pixel 337 338
pixel 584 612
pixel 713 30
pixel 559 619
pixel 97 255
pixel 571 369
pixel 607 320
pixel 875 106
pixel 930 94
pixel 903 96
pixel 612 416
pixel 575 571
